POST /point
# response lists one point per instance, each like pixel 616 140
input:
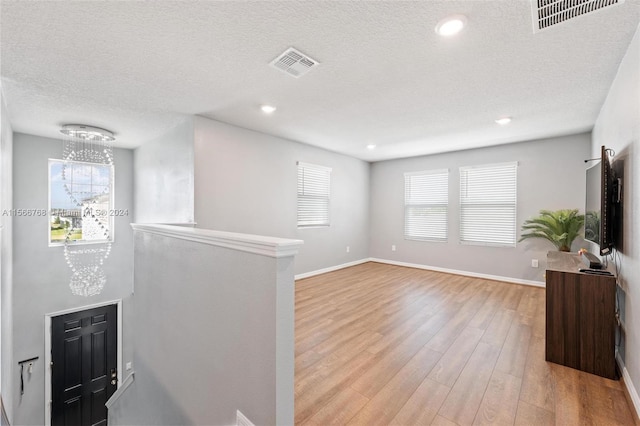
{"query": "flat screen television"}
pixel 600 205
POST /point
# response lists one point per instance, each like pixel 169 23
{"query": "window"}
pixel 426 197
pixel 488 204
pixel 314 184
pixel 80 202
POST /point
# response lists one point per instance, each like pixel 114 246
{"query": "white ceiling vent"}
pixel 294 62
pixel 547 13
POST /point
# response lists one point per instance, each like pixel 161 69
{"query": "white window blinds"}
pixel 314 184
pixel 488 204
pixel 426 198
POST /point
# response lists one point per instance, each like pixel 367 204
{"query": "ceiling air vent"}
pixel 547 13
pixel 294 63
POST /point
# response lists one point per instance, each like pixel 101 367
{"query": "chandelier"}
pixel 88 181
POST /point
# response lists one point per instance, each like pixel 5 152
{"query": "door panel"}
pixel 72 362
pixel 73 411
pixel 84 355
pixel 98 410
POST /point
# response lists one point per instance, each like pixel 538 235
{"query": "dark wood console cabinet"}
pixel 580 316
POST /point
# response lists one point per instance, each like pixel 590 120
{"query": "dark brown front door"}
pixel 84 355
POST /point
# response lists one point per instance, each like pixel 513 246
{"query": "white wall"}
pixel 550 176
pixel 163 177
pixel 214 330
pixel 246 182
pixel 40 274
pixel 6 265
pixel 618 128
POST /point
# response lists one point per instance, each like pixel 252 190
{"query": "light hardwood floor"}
pixel 379 344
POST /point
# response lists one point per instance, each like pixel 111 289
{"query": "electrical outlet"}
pixel 129 366
pixel 393 248
pixel 348 249
pixel 534 263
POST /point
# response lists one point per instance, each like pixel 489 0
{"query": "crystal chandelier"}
pixel 88 151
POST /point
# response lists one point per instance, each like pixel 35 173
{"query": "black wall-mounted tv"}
pixel 601 205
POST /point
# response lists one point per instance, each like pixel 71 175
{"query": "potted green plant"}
pixel 559 227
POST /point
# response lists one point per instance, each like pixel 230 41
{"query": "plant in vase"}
pixel 560 227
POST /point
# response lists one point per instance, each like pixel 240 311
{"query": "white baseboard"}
pixel 330 269
pixel 458 272
pixel 633 394
pixel 419 266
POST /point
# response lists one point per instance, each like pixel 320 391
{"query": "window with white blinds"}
pixel 488 195
pixel 314 188
pixel 426 199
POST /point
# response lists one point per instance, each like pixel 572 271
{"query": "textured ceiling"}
pixel 385 77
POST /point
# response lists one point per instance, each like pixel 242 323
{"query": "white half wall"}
pixel 618 128
pixel 246 181
pixel 214 329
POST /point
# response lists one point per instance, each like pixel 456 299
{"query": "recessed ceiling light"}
pixel 267 109
pixel 503 121
pixel 451 25
pixel 371 146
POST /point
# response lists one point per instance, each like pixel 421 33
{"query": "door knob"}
pixel 113 382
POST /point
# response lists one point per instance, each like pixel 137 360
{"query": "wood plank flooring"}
pixel 386 345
